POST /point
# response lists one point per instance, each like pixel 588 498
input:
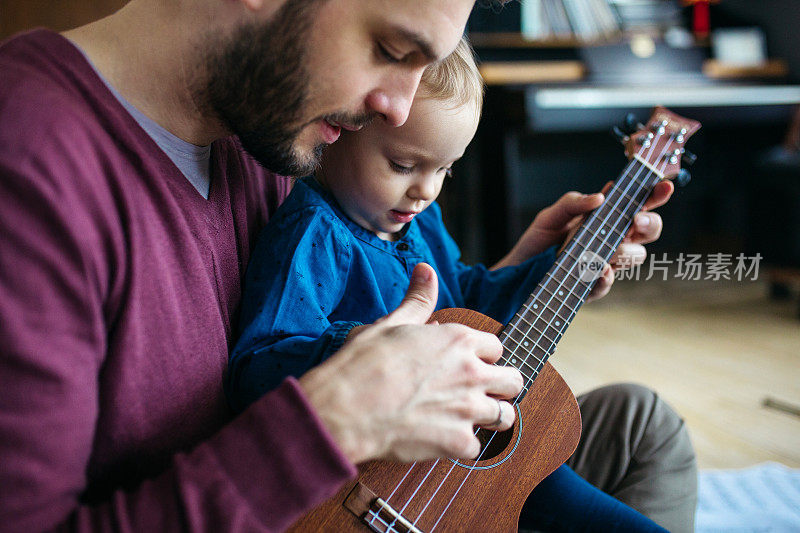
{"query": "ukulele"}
pixel 487 493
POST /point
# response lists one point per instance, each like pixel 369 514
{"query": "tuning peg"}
pixel 688 158
pixel 619 135
pixel 683 178
pixel 631 124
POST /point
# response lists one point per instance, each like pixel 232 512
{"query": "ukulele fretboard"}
pixel 531 336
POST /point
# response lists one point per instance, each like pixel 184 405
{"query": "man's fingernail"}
pixel 644 221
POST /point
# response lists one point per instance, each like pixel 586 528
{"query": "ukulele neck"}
pixel 531 336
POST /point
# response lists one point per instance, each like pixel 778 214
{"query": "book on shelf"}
pixel 583 20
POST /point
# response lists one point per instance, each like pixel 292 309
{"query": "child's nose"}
pixel 424 189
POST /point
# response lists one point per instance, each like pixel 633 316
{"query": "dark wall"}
pixel 59 15
pixel 780 20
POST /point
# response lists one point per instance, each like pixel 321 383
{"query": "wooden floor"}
pixel 713 350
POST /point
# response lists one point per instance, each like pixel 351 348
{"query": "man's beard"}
pixel 257 86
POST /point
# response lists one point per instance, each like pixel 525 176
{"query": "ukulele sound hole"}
pixel 493 443
pixel 496 447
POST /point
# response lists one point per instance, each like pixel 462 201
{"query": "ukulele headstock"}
pixel 661 142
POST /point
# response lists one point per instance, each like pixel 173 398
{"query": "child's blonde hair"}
pixel 455 78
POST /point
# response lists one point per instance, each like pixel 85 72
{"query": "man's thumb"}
pixel 420 299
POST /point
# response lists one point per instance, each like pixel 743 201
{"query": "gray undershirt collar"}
pixel 192 160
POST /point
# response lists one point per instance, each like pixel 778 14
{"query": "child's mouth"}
pixel 403 217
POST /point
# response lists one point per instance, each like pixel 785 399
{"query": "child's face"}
pixel 383 176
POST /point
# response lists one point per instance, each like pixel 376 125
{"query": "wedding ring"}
pixel 499 414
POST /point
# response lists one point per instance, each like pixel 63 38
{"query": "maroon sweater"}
pixel 119 291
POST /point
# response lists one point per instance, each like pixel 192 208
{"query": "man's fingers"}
pixel 501 416
pixel 420 299
pixel 503 381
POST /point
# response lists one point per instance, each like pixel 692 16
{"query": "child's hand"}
pixel 559 222
pixel 646 228
pixel 552 226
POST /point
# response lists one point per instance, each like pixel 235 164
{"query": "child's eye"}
pixel 397 167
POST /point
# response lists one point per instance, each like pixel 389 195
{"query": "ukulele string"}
pixel 376 514
pixel 465 478
pixel 642 186
pixel 640 203
pixel 416 490
pixel 632 181
pixel 469 471
pixel 441 483
pixel 530 354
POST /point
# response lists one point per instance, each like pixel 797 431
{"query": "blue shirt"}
pixel 315 274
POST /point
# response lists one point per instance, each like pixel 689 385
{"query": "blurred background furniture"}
pixel 550 102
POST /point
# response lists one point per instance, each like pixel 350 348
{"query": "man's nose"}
pixel 393 99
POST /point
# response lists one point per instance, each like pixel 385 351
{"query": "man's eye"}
pixel 387 55
pixel 397 167
pixel 448 172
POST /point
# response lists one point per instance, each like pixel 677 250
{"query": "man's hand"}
pixel 559 222
pixel 404 390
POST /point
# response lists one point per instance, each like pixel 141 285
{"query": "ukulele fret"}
pixel 532 329
pixel 514 360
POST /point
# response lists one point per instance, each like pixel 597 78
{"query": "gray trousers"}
pixel 636 448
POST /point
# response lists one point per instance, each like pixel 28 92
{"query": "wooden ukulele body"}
pixel 466 495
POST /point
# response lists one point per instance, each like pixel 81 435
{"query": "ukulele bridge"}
pixel 376 513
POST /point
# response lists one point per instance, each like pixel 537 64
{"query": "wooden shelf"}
pixel 774 68
pixel 533 72
pixel 523 72
pixel 517 40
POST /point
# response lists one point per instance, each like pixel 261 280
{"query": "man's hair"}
pixel 455 79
